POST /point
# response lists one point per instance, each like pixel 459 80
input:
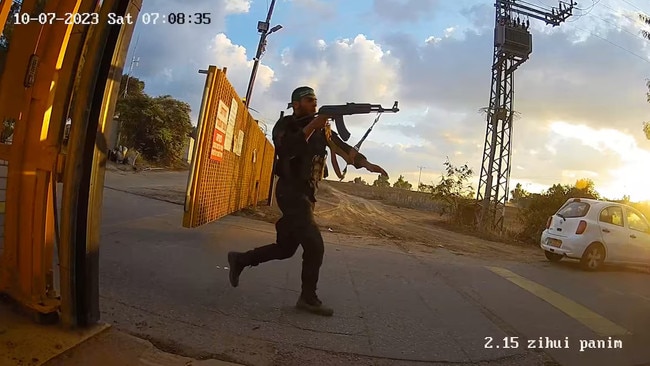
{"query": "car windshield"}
pixel 574 209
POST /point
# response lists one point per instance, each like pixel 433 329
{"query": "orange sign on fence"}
pixel 217 145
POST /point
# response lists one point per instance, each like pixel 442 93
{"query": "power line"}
pixel 593 5
pixel 618 27
pixel 575 18
pixel 591 8
pixel 634 6
pixel 625 15
pixel 616 45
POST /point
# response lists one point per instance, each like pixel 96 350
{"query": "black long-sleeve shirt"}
pixel 301 162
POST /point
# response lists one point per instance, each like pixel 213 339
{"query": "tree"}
pixel 537 208
pixel 454 188
pixel 518 193
pixel 584 188
pixel 381 181
pixel 7 130
pixel 7 32
pixel 427 188
pixel 401 183
pixel 135 86
pixel 359 180
pixel 454 183
pixel 156 127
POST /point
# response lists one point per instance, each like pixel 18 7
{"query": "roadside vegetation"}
pixel 154 130
pixel 454 199
pixel 157 129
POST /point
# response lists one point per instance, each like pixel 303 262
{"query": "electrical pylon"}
pixel 512 47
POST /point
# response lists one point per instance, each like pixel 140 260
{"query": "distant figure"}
pixel 300 141
pixel 120 155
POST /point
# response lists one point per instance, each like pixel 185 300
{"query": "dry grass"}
pixel 409 220
pixel 424 202
pixel 391 196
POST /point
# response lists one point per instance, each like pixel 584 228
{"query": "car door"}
pixel 638 235
pixel 615 235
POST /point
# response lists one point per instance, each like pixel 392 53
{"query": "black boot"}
pixel 312 304
pixel 236 267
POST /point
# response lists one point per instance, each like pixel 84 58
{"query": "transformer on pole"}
pixel 512 47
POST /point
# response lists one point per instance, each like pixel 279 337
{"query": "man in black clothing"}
pixel 300 144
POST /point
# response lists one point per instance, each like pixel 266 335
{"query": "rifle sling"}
pixel 338 150
pixel 335 165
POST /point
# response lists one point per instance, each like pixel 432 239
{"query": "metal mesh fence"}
pixel 233 158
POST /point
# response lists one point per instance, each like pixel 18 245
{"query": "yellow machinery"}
pixel 53 72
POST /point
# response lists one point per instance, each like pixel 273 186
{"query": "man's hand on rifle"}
pixel 316 124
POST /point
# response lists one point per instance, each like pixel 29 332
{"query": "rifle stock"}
pixel 338 111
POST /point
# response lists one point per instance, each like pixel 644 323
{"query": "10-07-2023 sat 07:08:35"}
pixel 550 343
pixel 114 19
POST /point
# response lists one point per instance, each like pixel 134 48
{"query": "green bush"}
pixel 535 209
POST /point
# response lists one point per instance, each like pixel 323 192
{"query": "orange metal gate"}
pixel 50 72
pixel 233 159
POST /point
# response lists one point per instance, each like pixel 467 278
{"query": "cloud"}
pixel 170 55
pixel 452 88
pixel 481 16
pixel 226 54
pixel 346 70
pixel 570 95
pixel 589 82
pixel 621 163
pixel 237 6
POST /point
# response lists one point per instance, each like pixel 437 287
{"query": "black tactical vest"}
pixel 308 166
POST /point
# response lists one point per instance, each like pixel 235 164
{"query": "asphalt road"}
pixel 169 284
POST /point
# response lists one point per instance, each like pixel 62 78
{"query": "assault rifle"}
pixel 338 111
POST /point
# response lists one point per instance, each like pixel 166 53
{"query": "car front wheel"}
pixel 553 257
pixel 593 257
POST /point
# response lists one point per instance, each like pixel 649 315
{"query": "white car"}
pixel 597 232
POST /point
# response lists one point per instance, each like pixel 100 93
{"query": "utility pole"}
pixel 263 29
pixel 420 176
pixel 512 47
pixel 134 62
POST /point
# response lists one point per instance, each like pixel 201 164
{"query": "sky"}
pixel 580 99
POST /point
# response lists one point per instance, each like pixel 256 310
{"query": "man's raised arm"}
pixel 291 140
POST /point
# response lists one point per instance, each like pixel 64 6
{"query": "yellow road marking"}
pixel 593 321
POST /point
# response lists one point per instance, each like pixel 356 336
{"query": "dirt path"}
pixel 342 211
pixel 408 229
pixel 373 222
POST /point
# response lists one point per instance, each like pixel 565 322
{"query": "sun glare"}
pixel 631 178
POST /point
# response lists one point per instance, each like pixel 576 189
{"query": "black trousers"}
pixel 296 227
